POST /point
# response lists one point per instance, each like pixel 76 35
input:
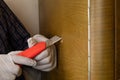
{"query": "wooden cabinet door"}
pixel 68 19
pixel 117 39
pixel 102 40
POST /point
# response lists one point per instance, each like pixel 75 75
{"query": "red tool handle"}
pixel 34 50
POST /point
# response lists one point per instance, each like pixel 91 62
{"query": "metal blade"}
pixel 53 40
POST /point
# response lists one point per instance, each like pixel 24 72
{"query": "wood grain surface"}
pixel 102 39
pixel 68 19
pixel 117 56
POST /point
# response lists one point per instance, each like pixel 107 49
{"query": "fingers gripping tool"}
pixel 39 47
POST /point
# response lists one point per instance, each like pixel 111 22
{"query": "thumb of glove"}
pixel 31 42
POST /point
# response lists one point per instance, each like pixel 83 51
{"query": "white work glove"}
pixel 46 60
pixel 9 68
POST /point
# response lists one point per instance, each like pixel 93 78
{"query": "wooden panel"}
pixel 117 40
pixel 102 39
pixel 68 19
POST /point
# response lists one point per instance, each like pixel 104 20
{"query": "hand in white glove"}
pixel 9 69
pixel 46 60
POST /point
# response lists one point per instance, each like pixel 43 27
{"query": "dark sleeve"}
pixel 13 35
pixel 16 33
